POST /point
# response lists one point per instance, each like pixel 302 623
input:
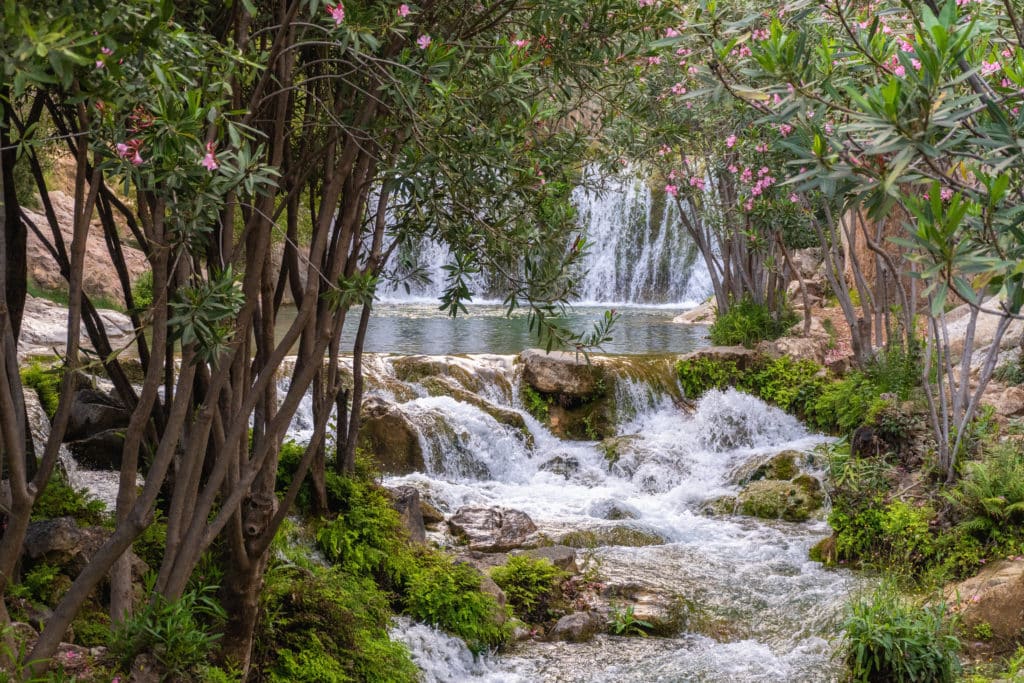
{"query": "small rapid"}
pixel 766 612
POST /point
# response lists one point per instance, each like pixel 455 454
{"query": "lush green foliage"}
pixel 60 499
pixel 326 624
pixel 791 385
pixel 891 639
pixel 447 594
pixel 180 634
pixel 530 585
pixel 534 403
pixel 624 623
pixel 45 380
pixel 990 496
pixel 747 322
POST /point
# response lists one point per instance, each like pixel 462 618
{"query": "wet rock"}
pixel 592 420
pixel 722 505
pixel 612 510
pixel 100 451
pixel 488 586
pixel 624 535
pixel 775 499
pixel 389 436
pixel 418 368
pixel 578 627
pixel 667 614
pixel 561 373
pixel 443 386
pixel 93 412
pixel 993 597
pixel 615 447
pixel 406 499
pixel 431 515
pixel 491 529
pixel 563 465
pixel 782 465
pixel 561 556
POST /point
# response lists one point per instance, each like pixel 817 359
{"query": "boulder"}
pixel 666 613
pixel 701 315
pixel 99 451
pixel 1009 402
pixel 561 556
pixel 562 373
pixel 993 597
pixel 578 627
pixel 391 438
pixel 563 465
pixel 60 541
pixel 45 326
pixel 743 357
pixel 145 669
pixel 622 535
pixel 612 510
pixel 491 529
pixel 775 499
pixel 431 515
pixel 406 499
pixel 73 660
pixel 797 348
pixel 93 412
pixel 488 586
pixel 721 505
pixel 782 465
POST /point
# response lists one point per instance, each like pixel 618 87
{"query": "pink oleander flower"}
pixel 672 190
pixel 130 150
pixel 946 194
pixel 697 182
pixel 403 10
pixel 209 161
pixel 423 41
pixel 671 33
pixel 794 197
pixel 651 61
pixel 989 67
pixel 520 42
pixel 733 169
pixel 337 13
pixel 678 89
pixel 730 141
pixel 760 34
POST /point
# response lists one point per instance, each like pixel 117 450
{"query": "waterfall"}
pixel 639 252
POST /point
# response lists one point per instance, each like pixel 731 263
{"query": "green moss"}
pixel 91 627
pixel 747 323
pixel 60 499
pixel 773 499
pixel 45 381
pixel 535 404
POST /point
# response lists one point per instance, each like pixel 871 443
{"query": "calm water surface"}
pixel 410 328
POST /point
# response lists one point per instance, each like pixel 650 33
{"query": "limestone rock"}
pixel 994 596
pixel 782 465
pixel 488 586
pixel 628 535
pixel 776 499
pixel 743 357
pixel 578 627
pixel 74 660
pixel 45 326
pixel 1010 402
pixel 100 450
pixel 406 499
pixel 797 348
pixel 431 515
pixel 145 669
pixel 561 556
pixel 62 542
pixel 92 412
pixel 701 315
pixel 391 438
pixel 613 510
pixel 491 529
pixel 560 372
pixel 722 505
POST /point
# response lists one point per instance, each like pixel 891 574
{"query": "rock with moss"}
pixel 444 386
pixel 991 602
pixel 782 465
pixel 776 499
pixel 491 529
pixel 561 373
pixel 578 627
pixel 620 535
pixel 390 438
pixel 720 505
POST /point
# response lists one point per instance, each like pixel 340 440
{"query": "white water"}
pixel 753 576
pixel 639 252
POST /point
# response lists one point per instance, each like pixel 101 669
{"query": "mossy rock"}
pixel 629 536
pixel 722 505
pixel 445 386
pixel 417 368
pixel 824 551
pixel 775 499
pixel 390 438
pixel 591 421
pixel 782 466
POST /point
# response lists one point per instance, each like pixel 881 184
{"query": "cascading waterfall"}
pixel 639 251
pixel 775 608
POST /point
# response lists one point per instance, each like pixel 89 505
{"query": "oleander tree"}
pixel 341 133
pixel 906 109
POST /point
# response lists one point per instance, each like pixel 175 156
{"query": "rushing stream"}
pixel 768 610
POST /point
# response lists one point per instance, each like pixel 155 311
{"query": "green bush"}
pixel 142 291
pixel 991 494
pixel 531 586
pixel 790 384
pixel 747 323
pixel 534 403
pixel 45 380
pixel 447 594
pixel 889 639
pixel 324 624
pixel 180 634
pixel 60 499
pixel 43 584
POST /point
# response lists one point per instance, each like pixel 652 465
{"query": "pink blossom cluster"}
pixel 337 12
pixel 130 150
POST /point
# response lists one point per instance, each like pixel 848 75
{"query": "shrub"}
pixel 534 403
pixel 447 594
pixel 747 322
pixel 890 639
pixel 531 586
pixel 844 405
pixel 323 624
pixel 792 385
pixel 180 634
pixel 142 291
pixel 45 380
pixel 991 494
pixel 60 499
